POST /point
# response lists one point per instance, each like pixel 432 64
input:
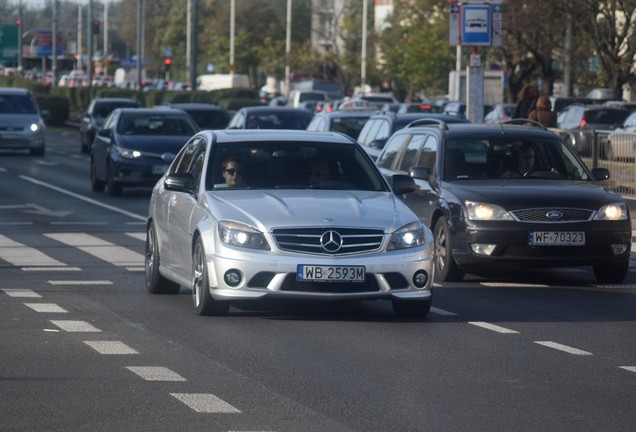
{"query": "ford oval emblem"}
pixel 554 214
pixel 167 157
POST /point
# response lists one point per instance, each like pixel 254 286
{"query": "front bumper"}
pixel 141 172
pixel 389 275
pixel 604 242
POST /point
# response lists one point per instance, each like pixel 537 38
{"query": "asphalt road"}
pixel 84 347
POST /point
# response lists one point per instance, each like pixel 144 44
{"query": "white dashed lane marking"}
pixel 75 326
pixel 564 348
pixel 629 368
pixel 25 256
pixel 107 251
pixel 155 373
pixel 492 327
pixel 21 293
pixel 80 282
pixel 205 403
pixel 46 307
pixel 111 347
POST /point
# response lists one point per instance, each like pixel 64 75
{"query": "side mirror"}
pixel 420 173
pixel 600 174
pixel 104 133
pixel 403 184
pixel 377 144
pixel 179 182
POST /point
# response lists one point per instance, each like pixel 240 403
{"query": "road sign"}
pixel 476 25
pixel 453 24
pixel 9 43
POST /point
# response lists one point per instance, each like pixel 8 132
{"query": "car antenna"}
pixel 499 118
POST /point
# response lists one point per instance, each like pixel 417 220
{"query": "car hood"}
pixel 12 121
pixel 525 193
pixel 292 208
pixel 153 143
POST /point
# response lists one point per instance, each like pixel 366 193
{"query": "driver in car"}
pixel 524 162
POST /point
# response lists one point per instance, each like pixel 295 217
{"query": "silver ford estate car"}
pixel 252 214
pixel 21 123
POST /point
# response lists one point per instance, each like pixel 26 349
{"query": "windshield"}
pixel 17 104
pixel 292 165
pixel 503 157
pixel 141 124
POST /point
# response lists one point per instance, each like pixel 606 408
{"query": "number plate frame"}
pixel 556 238
pixel 327 273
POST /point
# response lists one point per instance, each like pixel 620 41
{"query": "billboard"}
pixel 9 43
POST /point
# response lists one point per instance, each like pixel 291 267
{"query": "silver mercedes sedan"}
pixel 251 214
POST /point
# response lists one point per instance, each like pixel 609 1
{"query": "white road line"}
pixel 205 403
pixel 155 373
pixel 439 311
pixel 564 348
pixel 16 223
pixel 629 368
pixel 512 285
pixel 36 269
pixel 117 255
pixel 83 198
pixel 46 307
pixel 75 326
pixel 77 223
pixel 136 269
pixel 492 327
pixel 21 293
pixel 79 282
pixel 111 347
pixel 137 235
pixel 24 256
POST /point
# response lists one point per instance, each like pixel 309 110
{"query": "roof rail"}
pixel 525 122
pixel 428 122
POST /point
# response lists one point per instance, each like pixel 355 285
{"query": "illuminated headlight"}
pixel 409 236
pixel 483 248
pixel 236 234
pixel 129 154
pixel 34 127
pixel 486 212
pixel 612 212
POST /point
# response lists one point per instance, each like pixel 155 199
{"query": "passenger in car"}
pixel 232 173
pixel 318 172
pixel 524 162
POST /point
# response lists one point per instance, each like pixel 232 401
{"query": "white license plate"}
pixel 556 238
pixel 315 273
pixel 159 169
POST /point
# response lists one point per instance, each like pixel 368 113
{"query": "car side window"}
pixel 187 155
pixel 428 155
pixel 391 150
pixel 410 154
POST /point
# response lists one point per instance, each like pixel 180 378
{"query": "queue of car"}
pixel 363 205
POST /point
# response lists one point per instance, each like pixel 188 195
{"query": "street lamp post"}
pixel 363 60
pixel 288 48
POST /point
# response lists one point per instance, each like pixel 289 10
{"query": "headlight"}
pixel 409 236
pixel 129 154
pixel 236 234
pixel 34 127
pixel 612 212
pixel 486 212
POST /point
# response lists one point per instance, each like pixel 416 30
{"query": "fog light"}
pixel 232 277
pixel 483 248
pixel 619 249
pixel 420 278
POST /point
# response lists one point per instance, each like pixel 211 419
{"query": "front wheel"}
pixel 611 273
pixel 155 282
pixel 203 301
pixel 446 269
pixel 97 185
pixel 113 188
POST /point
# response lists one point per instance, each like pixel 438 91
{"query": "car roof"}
pixel 276 109
pixel 265 135
pixel 13 90
pixel 195 105
pixel 347 113
pixel 150 111
pixel 115 99
pixel 473 130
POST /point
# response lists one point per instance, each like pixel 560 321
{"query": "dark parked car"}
pixel 269 117
pixel 577 123
pixel 205 115
pixel 509 195
pixel 135 147
pixel 311 218
pixel 96 113
pixel 381 126
pixel 348 122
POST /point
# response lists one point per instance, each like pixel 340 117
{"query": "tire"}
pixel 37 151
pixel 112 187
pixel 203 301
pixel 611 273
pixel 155 282
pixel 446 269
pixel 83 145
pixel 411 308
pixel 97 185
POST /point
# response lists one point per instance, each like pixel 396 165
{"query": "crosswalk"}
pixel 29 258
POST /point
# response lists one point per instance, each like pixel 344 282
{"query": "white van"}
pixel 300 98
pixel 222 81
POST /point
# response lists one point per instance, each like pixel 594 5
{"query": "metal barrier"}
pixel 614 151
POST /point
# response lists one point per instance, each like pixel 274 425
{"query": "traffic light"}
pixel 95 26
pixel 166 63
